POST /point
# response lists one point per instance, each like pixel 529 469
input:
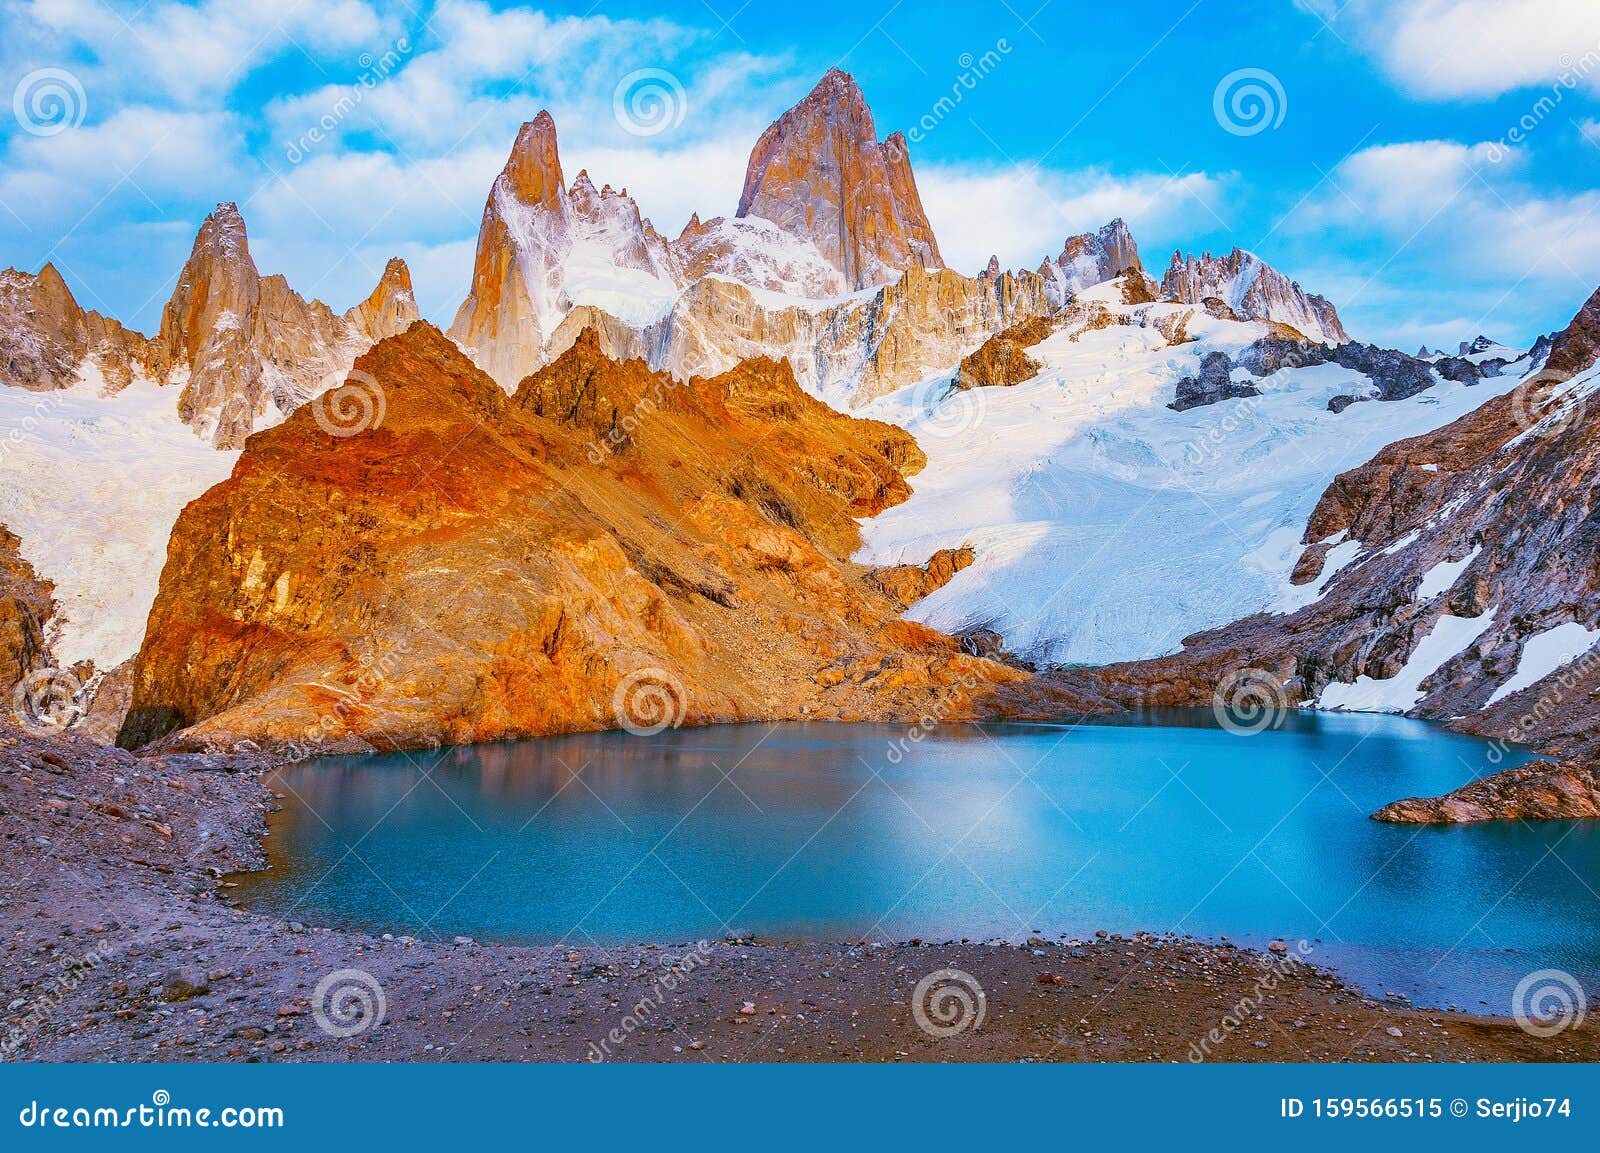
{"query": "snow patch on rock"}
pixel 1402 692
pixel 1545 653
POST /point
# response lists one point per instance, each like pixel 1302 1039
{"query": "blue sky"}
pixel 1432 166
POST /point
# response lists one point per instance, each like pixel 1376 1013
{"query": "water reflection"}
pixel 1171 824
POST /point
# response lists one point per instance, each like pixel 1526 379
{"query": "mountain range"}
pixel 786 461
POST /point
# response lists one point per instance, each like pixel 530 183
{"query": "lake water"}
pixel 850 832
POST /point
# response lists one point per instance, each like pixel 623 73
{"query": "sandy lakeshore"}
pixel 122 942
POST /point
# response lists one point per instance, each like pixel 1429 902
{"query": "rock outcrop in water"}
pixel 1538 792
pixel 607 547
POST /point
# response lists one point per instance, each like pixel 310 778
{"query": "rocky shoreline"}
pixel 121 942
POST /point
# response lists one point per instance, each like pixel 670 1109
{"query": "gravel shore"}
pixel 119 941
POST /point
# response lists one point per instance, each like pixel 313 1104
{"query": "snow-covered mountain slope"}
pixel 1108 526
pixel 93 484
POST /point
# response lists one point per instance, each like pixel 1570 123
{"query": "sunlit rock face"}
pixel 247 349
pixel 479 565
pixel 820 173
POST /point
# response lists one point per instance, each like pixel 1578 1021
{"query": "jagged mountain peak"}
pixel 1253 290
pixel 248 349
pixel 390 308
pixel 1090 258
pixel 51 280
pixel 820 173
pixel 533 170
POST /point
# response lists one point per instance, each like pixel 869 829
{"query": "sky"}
pixel 1431 166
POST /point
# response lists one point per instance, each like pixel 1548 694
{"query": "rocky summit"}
pixel 240 348
pixel 1252 290
pixel 820 173
pixel 606 547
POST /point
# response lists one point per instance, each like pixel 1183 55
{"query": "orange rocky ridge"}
pixel 607 547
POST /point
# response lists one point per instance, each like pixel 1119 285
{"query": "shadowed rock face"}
pixel 1509 497
pixel 1214 383
pixel 820 173
pixel 26 605
pixel 480 565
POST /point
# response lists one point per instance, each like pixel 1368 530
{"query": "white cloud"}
pixel 1492 246
pixel 1450 202
pixel 197 52
pixel 478 74
pixel 1446 49
pixel 1022 214
pixel 137 151
pixel 1590 130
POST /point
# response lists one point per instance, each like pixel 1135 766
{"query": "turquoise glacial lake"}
pixel 854 832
